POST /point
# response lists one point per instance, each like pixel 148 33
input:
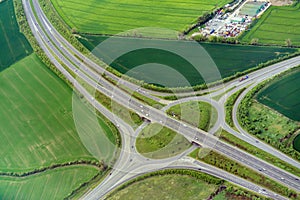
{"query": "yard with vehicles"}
pixel 230 23
pixel 229 59
pixel 279 25
pixel 14 45
pixel 91 17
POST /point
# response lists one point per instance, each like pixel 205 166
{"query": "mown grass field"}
pixel 199 114
pixel 14 45
pixel 36 123
pixel 178 71
pixel 53 184
pixel 166 187
pixel 111 16
pixel 283 95
pixel 276 26
pixel 156 141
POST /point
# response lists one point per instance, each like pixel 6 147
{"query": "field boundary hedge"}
pixel 99 165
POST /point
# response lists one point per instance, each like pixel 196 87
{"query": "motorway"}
pixel 60 51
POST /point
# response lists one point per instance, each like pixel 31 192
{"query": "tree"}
pixel 199 37
pixel 213 38
pixel 73 30
pixel 288 42
pixel 254 41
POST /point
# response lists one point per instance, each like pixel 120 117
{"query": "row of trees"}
pixel 234 40
pixel 100 165
pixel 287 42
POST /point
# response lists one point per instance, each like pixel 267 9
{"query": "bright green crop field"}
pixel 276 26
pixel 14 45
pixel 53 184
pixel 36 123
pixel 112 16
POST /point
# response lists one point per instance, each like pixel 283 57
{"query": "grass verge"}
pixel 222 162
pixel 182 184
pixel 229 106
pixel 229 138
pixel 157 141
pixel 196 113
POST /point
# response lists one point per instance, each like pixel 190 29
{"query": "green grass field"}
pixel 53 184
pixel 37 126
pixel 199 114
pixel 178 71
pixel 166 187
pixel 276 26
pixel 156 141
pixel 14 45
pixel 111 16
pixel 283 95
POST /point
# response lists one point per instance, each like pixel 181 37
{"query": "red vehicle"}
pixel 244 78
